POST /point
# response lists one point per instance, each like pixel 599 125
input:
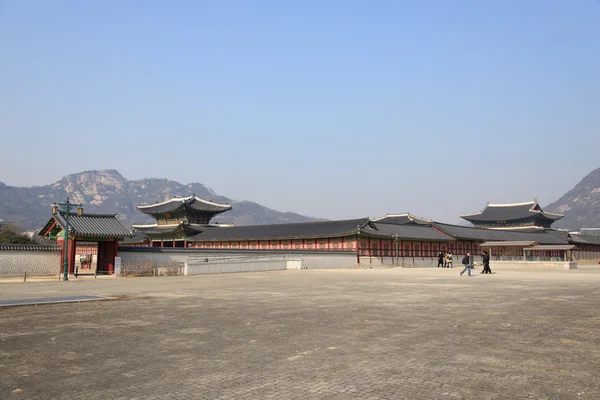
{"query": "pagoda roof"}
pixel 491 235
pixel 155 229
pixel 402 219
pixel 510 212
pixel 300 230
pixel 88 225
pixel 192 202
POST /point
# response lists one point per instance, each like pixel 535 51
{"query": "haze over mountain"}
pixel 107 191
pixel 581 205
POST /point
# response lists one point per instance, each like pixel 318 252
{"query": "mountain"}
pixel 581 205
pixel 107 191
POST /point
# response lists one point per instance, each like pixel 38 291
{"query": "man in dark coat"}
pixel 486 263
pixel 441 259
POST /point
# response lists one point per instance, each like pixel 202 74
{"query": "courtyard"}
pixel 313 334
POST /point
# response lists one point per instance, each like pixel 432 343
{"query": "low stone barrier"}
pixel 35 260
pixel 541 265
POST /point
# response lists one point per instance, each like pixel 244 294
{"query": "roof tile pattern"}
pixel 178 203
pixel 168 229
pixel 283 231
pixel 93 225
pixel 27 247
pixel 468 233
pixel 510 212
pixel 410 231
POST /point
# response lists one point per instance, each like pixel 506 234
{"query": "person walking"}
pixel 486 263
pixel 440 259
pixel 467 262
pixel 449 264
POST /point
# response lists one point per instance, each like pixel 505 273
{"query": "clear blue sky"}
pixel 335 109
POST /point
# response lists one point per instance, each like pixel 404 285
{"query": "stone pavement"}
pixel 316 334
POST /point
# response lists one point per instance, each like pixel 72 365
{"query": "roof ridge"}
pixel 173 199
pixel 524 203
pixel 407 214
pixel 212 203
pixel 390 215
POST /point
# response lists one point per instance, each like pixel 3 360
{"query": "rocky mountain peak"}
pixel 107 191
pixel 581 205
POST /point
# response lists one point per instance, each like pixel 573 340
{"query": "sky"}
pixel 333 109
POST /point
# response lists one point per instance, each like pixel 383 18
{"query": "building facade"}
pixel 178 219
pixel 513 216
pixel 390 239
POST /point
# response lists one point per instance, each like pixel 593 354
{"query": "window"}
pixel 349 245
pixel 286 246
pixel 322 245
pixel 309 245
pixel 335 245
pixel 264 246
pixel 297 245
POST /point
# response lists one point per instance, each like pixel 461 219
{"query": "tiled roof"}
pixel 402 219
pixel 552 247
pixel 283 231
pixel 178 203
pixel 138 238
pixel 90 225
pixel 508 243
pixel 468 233
pixel 409 231
pixel 585 239
pixel 509 212
pixel 28 247
pixel 168 229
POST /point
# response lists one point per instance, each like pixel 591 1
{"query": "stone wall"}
pixel 229 266
pixel 163 258
pixel 15 260
pixel 198 260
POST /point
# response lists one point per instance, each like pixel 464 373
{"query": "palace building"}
pixel 177 219
pixel 513 216
pixel 183 229
pixel 399 238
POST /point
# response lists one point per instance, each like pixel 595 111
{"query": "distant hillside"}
pixel 107 191
pixel 581 205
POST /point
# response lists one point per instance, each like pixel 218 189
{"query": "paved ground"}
pixel 359 334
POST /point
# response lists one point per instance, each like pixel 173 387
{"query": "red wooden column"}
pixel 72 250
